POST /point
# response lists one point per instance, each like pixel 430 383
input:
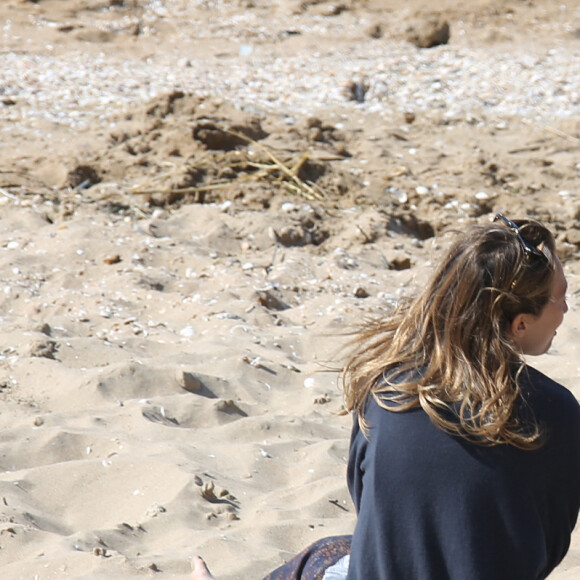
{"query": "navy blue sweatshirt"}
pixel 432 506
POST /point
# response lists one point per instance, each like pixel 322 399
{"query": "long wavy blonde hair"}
pixel 449 350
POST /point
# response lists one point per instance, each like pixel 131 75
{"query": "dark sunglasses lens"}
pixel 528 248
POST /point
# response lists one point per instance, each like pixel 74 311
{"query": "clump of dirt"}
pixel 423 173
pixel 82 176
pixel 432 30
pixel 182 148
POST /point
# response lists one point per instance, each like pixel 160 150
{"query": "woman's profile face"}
pixel 541 329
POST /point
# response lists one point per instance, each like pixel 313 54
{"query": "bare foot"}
pixel 199 570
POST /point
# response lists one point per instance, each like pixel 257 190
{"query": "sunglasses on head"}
pixel 528 249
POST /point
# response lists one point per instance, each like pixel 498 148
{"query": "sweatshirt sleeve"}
pixel 358 445
pixel 558 414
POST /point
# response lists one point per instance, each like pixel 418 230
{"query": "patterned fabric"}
pixel 339 571
pixel 312 562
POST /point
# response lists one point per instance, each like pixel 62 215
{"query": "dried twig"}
pixel 289 175
pixel 296 168
pixel 6 194
pixel 303 188
pixel 138 191
pixel 569 138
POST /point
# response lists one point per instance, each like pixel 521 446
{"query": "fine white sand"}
pixel 167 367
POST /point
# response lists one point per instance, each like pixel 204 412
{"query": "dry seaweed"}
pixel 243 168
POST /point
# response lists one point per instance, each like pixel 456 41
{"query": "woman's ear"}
pixel 519 326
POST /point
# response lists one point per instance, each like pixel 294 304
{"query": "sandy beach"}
pixel 198 200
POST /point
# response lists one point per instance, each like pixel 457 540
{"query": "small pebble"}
pixel 399 194
pixel 309 382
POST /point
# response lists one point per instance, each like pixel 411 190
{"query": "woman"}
pixel 464 461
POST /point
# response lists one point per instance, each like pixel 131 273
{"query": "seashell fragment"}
pixel 188 381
